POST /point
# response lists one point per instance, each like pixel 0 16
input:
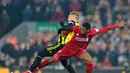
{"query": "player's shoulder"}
pixel 94 30
pixel 76 27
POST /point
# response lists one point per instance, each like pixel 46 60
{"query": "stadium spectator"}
pixel 122 53
pixel 7 47
pixel 38 15
pixel 7 61
pixel 128 52
pixel 106 63
pixel 84 7
pixel 22 50
pixel 65 6
pixel 16 2
pixel 29 50
pixel 48 14
pixel 2 61
pixel 22 62
pixel 27 13
pixel 58 14
pixel 103 8
pixel 112 54
pixel 54 5
pixel 102 51
pixel 49 4
pixel 75 5
pixel 40 44
pixel 37 2
pixel 15 53
pixel 5 19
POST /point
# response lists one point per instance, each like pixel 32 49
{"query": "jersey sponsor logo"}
pixel 81 39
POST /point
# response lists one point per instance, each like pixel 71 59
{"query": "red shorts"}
pixel 69 52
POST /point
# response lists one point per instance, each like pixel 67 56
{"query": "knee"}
pixel 88 60
pixel 56 57
pixel 39 54
pixel 52 59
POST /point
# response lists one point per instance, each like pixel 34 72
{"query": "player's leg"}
pixel 63 53
pixel 50 60
pixel 42 53
pixel 67 66
pixel 38 59
pixel 87 59
pixel 46 62
pixel 48 52
pixel 63 61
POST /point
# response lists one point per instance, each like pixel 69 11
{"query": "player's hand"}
pixel 122 23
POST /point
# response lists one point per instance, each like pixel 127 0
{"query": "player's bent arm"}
pixel 68 28
pixel 72 29
pixel 67 32
pixel 60 30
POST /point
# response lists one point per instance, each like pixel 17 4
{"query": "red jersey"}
pixel 80 42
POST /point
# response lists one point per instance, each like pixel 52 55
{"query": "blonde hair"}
pixel 75 13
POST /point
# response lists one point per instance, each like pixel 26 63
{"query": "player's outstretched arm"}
pixel 105 29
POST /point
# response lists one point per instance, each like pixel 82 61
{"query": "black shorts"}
pixel 45 52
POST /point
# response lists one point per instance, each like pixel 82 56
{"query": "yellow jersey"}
pixel 62 40
pixel 70 35
pixel 66 39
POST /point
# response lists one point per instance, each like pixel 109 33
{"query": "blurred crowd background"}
pixel 111 49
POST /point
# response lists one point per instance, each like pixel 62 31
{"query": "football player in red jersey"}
pixel 78 44
pixel 62 40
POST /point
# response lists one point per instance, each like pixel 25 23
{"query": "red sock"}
pixel 89 68
pixel 47 62
pixel 35 70
pixel 43 64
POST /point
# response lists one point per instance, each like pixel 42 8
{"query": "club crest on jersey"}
pixel 77 34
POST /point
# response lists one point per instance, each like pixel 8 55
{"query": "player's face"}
pixel 84 30
pixel 72 17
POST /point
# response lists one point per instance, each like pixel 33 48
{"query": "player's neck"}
pixel 85 33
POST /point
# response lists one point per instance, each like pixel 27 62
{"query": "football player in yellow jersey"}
pixel 51 50
pixel 74 16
